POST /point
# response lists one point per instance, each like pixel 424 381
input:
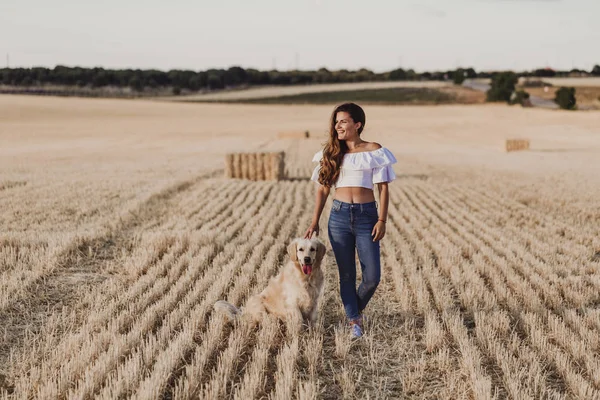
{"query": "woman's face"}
pixel 345 126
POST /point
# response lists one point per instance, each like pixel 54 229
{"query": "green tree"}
pixel 565 98
pixel 194 83
pixel 503 85
pixel 458 76
pixel 596 70
pixel 214 81
pixel 398 75
pixel 544 72
pixel 235 76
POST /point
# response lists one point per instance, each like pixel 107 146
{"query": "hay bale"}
pixel 294 135
pixel 260 166
pixel 270 176
pixel 229 173
pixel 252 173
pixel 277 166
pixel 267 166
pixel 237 165
pixel 255 166
pixel 244 162
pixel 281 165
pixel 516 144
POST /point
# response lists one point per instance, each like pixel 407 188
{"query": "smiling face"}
pixel 307 253
pixel 345 126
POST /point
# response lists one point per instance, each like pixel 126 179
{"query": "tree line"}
pixel 213 79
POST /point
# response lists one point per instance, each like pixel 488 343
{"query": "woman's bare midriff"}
pixel 355 195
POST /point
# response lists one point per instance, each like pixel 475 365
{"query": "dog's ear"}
pixel 292 250
pixel 320 251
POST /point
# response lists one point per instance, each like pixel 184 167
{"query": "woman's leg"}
pixel 369 256
pixel 343 244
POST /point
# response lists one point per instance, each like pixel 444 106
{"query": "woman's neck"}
pixel 353 144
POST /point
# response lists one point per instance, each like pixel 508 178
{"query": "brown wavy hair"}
pixel 334 150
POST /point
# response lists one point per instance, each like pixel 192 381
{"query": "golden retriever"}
pixel 292 294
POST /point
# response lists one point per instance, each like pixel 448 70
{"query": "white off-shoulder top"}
pixel 361 169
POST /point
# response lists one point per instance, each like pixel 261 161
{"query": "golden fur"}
pixel 293 293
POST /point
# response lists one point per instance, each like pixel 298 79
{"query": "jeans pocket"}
pixel 335 207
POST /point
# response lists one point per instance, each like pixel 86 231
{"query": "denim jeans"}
pixel 350 227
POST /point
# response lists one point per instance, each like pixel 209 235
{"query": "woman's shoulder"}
pixel 373 146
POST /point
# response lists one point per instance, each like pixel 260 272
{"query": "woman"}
pixel 353 165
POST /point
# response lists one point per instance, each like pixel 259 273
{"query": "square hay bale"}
pixel 252 166
pixel 237 165
pixel 294 135
pixel 277 166
pixel 516 144
pixel 260 166
pixel 229 171
pixel 245 166
pixel 255 166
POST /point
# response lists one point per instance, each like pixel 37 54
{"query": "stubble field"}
pixel 119 232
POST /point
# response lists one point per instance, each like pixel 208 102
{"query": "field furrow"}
pixel 522 292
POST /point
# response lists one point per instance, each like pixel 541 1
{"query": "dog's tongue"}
pixel 307 269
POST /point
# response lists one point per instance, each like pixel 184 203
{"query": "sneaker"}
pixel 355 329
pixel 363 318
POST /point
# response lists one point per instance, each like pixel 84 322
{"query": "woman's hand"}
pixel 313 228
pixel 378 231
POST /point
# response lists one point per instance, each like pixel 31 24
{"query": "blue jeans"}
pixel 350 227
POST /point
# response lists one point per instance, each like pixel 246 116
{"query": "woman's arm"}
pixel 321 199
pixel 384 200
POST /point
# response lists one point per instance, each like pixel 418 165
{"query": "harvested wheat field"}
pixel 120 231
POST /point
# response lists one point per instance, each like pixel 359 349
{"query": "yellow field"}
pixel 119 232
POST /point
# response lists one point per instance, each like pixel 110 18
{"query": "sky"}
pixel 379 35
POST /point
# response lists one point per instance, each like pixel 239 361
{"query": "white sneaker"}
pixel 355 330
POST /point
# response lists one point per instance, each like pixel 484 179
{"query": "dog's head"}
pixel 306 253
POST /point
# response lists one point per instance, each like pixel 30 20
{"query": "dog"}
pixel 293 294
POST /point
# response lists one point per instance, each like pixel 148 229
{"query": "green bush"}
pixel 503 85
pixel 565 98
pixel 519 97
pixel 458 77
pixel 176 90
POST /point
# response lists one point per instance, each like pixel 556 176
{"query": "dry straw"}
pixel 277 166
pixel 252 166
pixel 516 144
pixel 255 166
pixel 229 170
pixel 245 167
pixel 260 166
pixel 237 165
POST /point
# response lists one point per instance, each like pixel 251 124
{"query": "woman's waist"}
pixel 340 204
pixel 354 194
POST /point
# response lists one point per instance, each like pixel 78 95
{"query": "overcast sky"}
pixel 376 34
